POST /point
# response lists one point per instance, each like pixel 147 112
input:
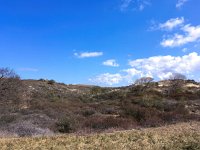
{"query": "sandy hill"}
pixel 44 107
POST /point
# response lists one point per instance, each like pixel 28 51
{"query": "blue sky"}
pixel 107 42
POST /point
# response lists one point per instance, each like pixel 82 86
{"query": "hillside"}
pixel 45 107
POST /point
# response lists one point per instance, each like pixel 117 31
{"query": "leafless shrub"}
pixel 26 128
pixel 11 88
pixel 104 123
pixel 142 85
pixel 143 81
pixel 67 125
pixel 6 119
pixel 177 76
pixel 108 110
pixel 175 88
pixel 7 73
pixel 97 90
pixel 88 112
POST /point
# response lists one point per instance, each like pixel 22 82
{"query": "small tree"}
pixel 177 81
pixel 10 88
pixel 142 84
pixel 143 81
pixel 177 76
pixel 7 73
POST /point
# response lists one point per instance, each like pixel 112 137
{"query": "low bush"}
pixel 88 112
pixel 6 119
pixel 145 116
pixel 43 80
pixel 51 82
pixel 103 123
pixel 198 94
pixel 108 111
pixel 149 102
pixel 66 125
pixel 135 111
pixel 97 90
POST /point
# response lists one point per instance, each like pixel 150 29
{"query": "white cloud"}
pixel 28 69
pixel 158 67
pixel 180 3
pixel 191 34
pixel 172 23
pixel 130 73
pixel 107 78
pixel 163 66
pixel 111 62
pixel 88 54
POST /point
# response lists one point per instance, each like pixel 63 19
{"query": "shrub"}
pixel 66 125
pixel 108 111
pixel 175 89
pixel 51 82
pixel 43 80
pixel 145 116
pixel 198 94
pixel 112 95
pixel 26 128
pixel 53 96
pixel 150 102
pixel 11 90
pixel 103 123
pixel 135 111
pixel 88 112
pixel 6 119
pixel 181 109
pixel 97 90
pixel 24 131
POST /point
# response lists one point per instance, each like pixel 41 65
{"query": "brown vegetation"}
pixel 44 107
pixel 182 136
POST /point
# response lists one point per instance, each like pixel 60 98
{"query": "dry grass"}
pixel 179 136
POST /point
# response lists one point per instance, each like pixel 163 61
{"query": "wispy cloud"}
pixel 142 4
pixel 88 54
pixel 125 4
pixel 172 23
pixel 169 25
pixel 180 3
pixel 134 4
pixel 111 62
pixel 184 49
pixel 191 34
pixel 28 69
pixel 141 7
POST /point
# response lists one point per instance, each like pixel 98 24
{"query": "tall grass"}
pixel 177 137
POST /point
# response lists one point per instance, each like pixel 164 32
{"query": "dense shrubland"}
pixel 44 107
